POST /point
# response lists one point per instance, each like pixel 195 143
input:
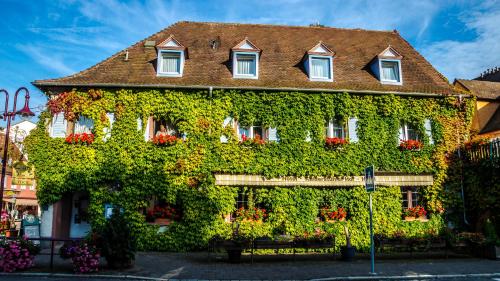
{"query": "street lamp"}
pixel 25 113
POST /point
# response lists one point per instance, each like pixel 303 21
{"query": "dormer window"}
pixel 387 66
pixel 319 63
pixel 245 60
pixel 171 56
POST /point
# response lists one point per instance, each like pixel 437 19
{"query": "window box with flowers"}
pixel 248 142
pixel 251 214
pixel 166 140
pixel 84 138
pixel 336 143
pixel 410 145
pixel 331 215
pixel 415 213
pixel 163 215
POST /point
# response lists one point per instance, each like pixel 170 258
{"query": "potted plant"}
pixel 348 251
pixel 235 246
pixel 162 215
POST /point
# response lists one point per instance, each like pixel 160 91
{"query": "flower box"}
pixel 335 143
pixel 249 142
pixel 410 218
pixel 165 140
pixel 410 145
pixel 85 138
pixel 162 221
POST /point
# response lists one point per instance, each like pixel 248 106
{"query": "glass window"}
pixel 320 68
pixel 411 133
pixel 246 64
pixel 390 71
pixel 338 130
pixel 243 131
pixel 170 62
pixel 410 197
pixel 257 130
pixel 242 199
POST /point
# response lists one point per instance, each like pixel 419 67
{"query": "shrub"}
pixel 85 257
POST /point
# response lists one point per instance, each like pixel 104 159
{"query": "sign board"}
pixel 22 174
pixel 31 228
pixel 370 179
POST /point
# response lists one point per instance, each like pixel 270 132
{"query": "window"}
pixel 334 129
pixel 165 127
pixel 320 68
pixel 269 134
pixel 390 71
pixel 245 65
pixel 410 197
pixel 228 123
pixel 170 63
pixel 408 132
pixel 83 125
pixel 107 129
pixel 242 199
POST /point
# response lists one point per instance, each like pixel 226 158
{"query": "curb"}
pixel 373 277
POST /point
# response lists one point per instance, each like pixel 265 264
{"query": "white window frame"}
pixel 389 81
pixel 404 127
pixel 331 129
pixel 169 74
pixel 320 79
pixel 235 66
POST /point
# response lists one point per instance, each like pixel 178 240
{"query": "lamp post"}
pixel 25 112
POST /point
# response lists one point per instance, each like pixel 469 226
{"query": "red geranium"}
pixel 335 142
pixel 257 140
pixel 410 145
pixel 165 140
pixel 84 138
pixel 417 211
pixel 254 214
pixel 331 214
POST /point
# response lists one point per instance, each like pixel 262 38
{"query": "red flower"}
pixel 335 142
pixel 410 145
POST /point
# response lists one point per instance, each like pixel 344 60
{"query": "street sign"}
pixel 369 179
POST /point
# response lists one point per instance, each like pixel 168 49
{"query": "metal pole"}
pixel 4 160
pixel 372 246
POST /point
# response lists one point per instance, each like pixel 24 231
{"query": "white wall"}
pixel 46 220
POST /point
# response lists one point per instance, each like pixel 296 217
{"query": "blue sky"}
pixel 46 39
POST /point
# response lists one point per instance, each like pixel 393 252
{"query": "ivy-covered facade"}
pixel 214 132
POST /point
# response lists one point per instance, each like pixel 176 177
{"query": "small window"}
pixel 257 131
pixel 408 132
pixel 390 71
pixel 410 197
pixel 245 65
pixel 335 129
pixel 84 125
pixel 320 68
pixel 170 63
pixel 162 127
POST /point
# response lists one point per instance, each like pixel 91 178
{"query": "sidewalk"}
pixel 279 267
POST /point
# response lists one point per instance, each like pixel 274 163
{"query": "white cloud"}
pixel 49 60
pixel 467 59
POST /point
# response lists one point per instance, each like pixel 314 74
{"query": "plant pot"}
pixel 347 253
pixel 162 221
pixel 409 218
pixel 11 233
pixel 234 255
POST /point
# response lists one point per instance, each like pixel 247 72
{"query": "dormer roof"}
pixel 170 44
pixel 245 46
pixel 390 53
pixel 321 50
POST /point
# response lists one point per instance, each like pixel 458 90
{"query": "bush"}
pixel 116 241
pixel 17 254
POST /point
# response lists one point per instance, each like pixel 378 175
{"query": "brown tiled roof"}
pixel 280 64
pixel 481 89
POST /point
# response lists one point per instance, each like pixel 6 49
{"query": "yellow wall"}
pixel 484 111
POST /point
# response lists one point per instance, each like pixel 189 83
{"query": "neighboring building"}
pixel 208 118
pixel 20 185
pixel 486 89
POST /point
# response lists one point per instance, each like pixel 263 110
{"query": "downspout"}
pixel 210 89
pixel 461 172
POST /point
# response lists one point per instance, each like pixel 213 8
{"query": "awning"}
pixel 22 201
pixel 381 180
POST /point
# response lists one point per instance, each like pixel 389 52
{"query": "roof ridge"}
pixel 286 26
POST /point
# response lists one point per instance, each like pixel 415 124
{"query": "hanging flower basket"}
pixel 84 138
pixel 335 143
pixel 411 145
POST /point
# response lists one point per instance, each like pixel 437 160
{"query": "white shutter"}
pixel 272 134
pixel 146 132
pixel 139 124
pixel 308 136
pixel 227 121
pixel 107 129
pixel 58 126
pixel 352 126
pixel 428 130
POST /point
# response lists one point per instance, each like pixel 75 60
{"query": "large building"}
pixel 202 124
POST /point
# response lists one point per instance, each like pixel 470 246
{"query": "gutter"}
pixel 286 89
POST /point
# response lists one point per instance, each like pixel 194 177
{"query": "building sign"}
pixel 342 181
pixel 22 174
pixel 369 179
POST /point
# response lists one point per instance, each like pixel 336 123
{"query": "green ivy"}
pixel 184 173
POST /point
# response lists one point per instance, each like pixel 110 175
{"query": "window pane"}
pixel 171 63
pixel 257 130
pixel 338 130
pixel 412 133
pixel 245 64
pixel 390 70
pixel 320 68
pixel 243 132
